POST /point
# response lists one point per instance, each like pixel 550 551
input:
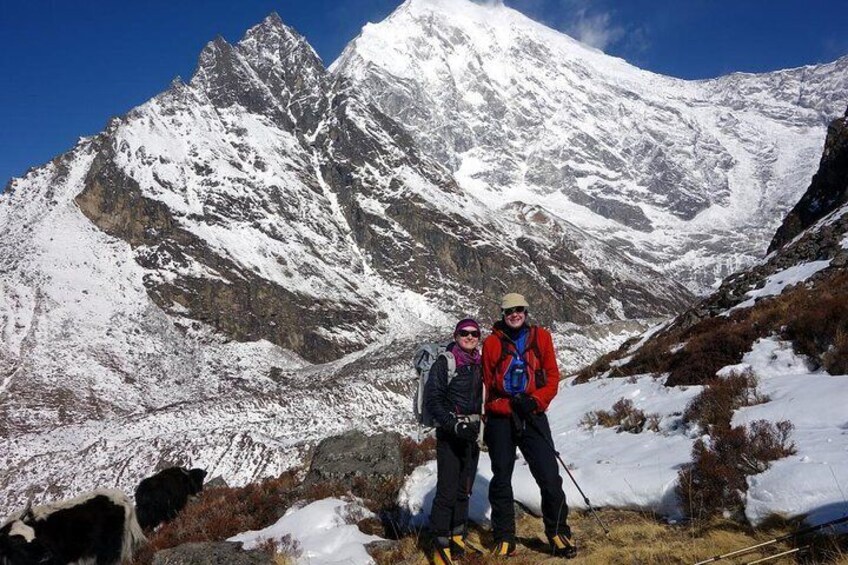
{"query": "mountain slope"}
pixel 796 292
pixel 242 265
pixel 690 177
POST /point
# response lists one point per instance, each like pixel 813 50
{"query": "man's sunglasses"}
pixel 466 333
pixel 516 310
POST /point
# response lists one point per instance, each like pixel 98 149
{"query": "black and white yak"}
pixel 161 497
pixel 99 527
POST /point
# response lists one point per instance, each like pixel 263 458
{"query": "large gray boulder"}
pixel 355 456
pixel 211 553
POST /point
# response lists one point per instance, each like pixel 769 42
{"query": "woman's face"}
pixel 468 338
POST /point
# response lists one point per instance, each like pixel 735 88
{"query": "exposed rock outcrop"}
pixel 828 191
pixel 212 553
pixel 354 456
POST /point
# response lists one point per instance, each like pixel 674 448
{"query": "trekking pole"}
pixel 775 556
pixel 550 443
pixel 751 548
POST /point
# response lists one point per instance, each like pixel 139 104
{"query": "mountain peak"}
pixel 454 3
pixel 273 43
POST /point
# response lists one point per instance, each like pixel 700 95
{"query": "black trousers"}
pixel 533 438
pixel 456 462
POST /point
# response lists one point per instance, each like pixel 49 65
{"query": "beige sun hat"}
pixel 512 300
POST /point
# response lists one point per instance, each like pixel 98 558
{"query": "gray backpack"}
pixel 425 356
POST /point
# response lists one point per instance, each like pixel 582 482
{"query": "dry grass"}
pixel 635 538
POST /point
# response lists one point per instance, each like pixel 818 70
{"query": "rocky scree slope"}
pixel 690 177
pixel 192 285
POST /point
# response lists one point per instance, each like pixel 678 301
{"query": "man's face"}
pixel 515 317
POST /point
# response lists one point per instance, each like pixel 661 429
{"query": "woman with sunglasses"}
pixel 454 396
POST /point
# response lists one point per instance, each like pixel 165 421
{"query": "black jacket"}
pixel 464 395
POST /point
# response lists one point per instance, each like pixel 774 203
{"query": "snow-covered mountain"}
pixel 242 265
pixel 782 321
pixel 690 177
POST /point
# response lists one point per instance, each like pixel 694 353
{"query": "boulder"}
pixel 211 553
pixel 354 456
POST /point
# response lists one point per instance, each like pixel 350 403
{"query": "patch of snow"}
pixel 323 533
pixel 775 284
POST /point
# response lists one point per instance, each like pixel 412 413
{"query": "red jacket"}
pixel 540 358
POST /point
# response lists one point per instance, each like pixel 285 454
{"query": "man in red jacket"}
pixel 521 377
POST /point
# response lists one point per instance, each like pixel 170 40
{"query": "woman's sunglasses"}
pixel 516 310
pixel 466 333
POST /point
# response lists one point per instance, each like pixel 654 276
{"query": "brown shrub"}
pixel 415 454
pixel 713 408
pixel 814 319
pixel 624 416
pixel 715 481
pixel 768 442
pixel 723 344
pixel 218 514
pixel 835 360
pixel 819 325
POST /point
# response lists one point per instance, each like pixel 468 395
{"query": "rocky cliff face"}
pixel 828 191
pixel 691 177
pixel 813 232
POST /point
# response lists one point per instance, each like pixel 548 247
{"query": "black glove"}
pixel 523 405
pixel 465 431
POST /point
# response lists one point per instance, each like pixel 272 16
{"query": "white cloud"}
pixel 596 30
pixel 588 23
pixel 592 27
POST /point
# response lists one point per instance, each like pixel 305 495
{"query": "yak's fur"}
pixel 98 527
pixel 160 498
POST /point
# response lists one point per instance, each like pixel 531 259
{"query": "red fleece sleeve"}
pixel 544 395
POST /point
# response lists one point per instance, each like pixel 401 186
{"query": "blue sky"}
pixel 67 66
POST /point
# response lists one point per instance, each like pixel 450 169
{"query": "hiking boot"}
pixel 458 547
pixel 562 546
pixel 442 552
pixel 504 548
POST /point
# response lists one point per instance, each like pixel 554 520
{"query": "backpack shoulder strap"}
pixel 451 364
pixel 505 352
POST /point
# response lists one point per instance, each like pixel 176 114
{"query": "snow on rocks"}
pixel 775 284
pixel 321 531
